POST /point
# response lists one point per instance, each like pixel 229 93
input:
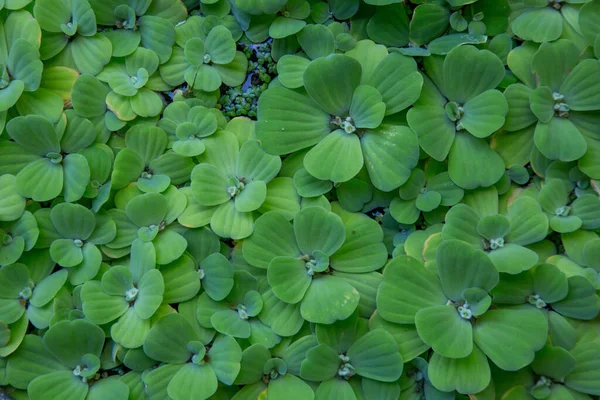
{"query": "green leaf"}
pixel 329 299
pixel 286 385
pixel 69 341
pixel 367 108
pixel 92 53
pixel 407 287
pixel 290 70
pixel 220 45
pixel 469 72
pixel 199 380
pixel 581 302
pixel 130 330
pixel 553 362
pixel 559 139
pixel 157 34
pixel 273 236
pixel 510 338
pixel 472 163
pixel 400 93
pixel 331 81
pixel 550 283
pixel 445 331
pixel 24 64
pixel 228 322
pixel 12 204
pixel 11 94
pixel 375 356
pixel 336 158
pixel 584 377
pixel 380 390
pixel 66 252
pixel 283 318
pixel 283 27
pixel 251 197
pixel 433 127
pixel 461 267
pixel 444 44
pixel 55 384
pixel 316 40
pixel 224 357
pixel 529 26
pixel 579 87
pixel 513 258
pixel 288 121
pixel 47 288
pixel 389 25
pixel 318 229
pixel 465 375
pixel 289 278
pixel 484 114
pixel 218 276
pixel 532 223
pixel 100 307
pixel 390 152
pixel 428 22
pixel 151 288
pixel 228 222
pixel 553 62
pixel 321 363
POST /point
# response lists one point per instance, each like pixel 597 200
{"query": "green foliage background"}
pixel 299 199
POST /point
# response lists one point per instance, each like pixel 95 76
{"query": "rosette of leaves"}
pixel 145 161
pixel 192 364
pixel 314 261
pixel 129 296
pixel 17 236
pixel 559 97
pixel 544 20
pixel 454 121
pixel 29 294
pixel 233 181
pixel 73 234
pixel 21 67
pixel 561 298
pixel 342 118
pixel 346 351
pixel 237 314
pixel 565 215
pixel 275 372
pixel 452 315
pixel 421 194
pixel 558 373
pixel 187 126
pixel 131 23
pixel 147 225
pixel 66 361
pixel 502 237
pixel 205 62
pixel 133 83
pixel 70 36
pixel 45 158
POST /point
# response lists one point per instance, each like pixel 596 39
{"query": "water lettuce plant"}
pixel 300 199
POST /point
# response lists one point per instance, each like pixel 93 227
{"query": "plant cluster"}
pixel 300 199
